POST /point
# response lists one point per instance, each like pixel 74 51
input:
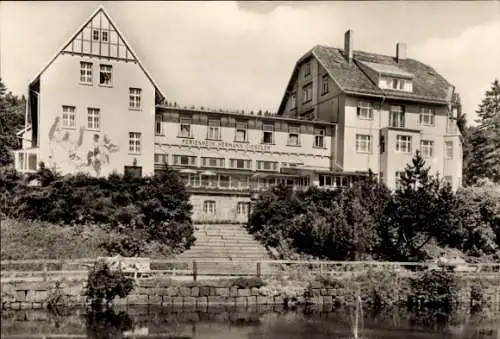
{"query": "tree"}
pixel 11 121
pixel 417 212
pixel 485 139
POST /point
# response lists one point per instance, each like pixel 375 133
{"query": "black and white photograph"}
pixel 250 169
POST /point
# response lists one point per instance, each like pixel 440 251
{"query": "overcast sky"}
pixel 239 55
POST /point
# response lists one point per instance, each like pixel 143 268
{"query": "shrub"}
pixel 103 285
pixel 435 290
pixel 252 282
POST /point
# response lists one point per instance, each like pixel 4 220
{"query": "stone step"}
pixel 222 241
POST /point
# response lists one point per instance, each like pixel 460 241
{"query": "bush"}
pixel 155 207
pixel 103 285
pixel 435 290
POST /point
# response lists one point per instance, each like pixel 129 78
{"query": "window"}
pixel 134 142
pixel 307 93
pixel 382 144
pixel 397 117
pixel 240 163
pixel 293 135
pixel 363 143
pixel 185 128
pixel 161 159
pixel 267 133
pixel 240 182
pixel 212 162
pixel 334 181
pixel 448 149
pixel 135 98
pixel 403 143
pixel 20 160
pixel 324 87
pixel 105 75
pixel 398 84
pixel 426 116
pixel 159 125
pixel 426 148
pixel 104 35
pixel 293 100
pixel 243 208
pixel 241 131
pixel 85 72
pixel 209 207
pixel 93 118
pixel 68 116
pixel 267 165
pixel 398 176
pixel 95 34
pixel 213 129
pixel 184 160
pixel 365 111
pixel 319 137
pixel 307 68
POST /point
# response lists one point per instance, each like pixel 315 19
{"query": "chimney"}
pixel 348 47
pixel 400 51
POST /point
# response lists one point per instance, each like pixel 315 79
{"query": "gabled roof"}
pixel 80 40
pixel 428 85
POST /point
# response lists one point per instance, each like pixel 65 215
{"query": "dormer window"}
pixel 398 84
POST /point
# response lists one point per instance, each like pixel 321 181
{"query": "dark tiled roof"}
pixel 428 85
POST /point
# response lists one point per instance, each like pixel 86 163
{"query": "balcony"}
pixel 26 160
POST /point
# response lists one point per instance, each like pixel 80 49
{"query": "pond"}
pixel 253 323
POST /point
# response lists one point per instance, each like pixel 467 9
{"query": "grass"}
pixel 24 239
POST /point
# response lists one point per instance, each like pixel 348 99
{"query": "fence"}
pixel 45 270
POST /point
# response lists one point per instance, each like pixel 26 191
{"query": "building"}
pixel 92 107
pixel 385 108
pixel 96 109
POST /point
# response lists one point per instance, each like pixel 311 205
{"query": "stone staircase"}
pixel 225 245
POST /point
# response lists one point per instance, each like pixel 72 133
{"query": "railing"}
pixel 46 270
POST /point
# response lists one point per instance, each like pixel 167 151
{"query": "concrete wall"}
pixel 60 85
pixel 226 208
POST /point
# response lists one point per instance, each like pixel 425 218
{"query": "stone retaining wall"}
pixel 210 293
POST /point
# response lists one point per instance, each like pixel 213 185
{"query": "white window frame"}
pixel 134 98
pixel 191 160
pixel 293 100
pixel 159 125
pixel 104 35
pixel 86 70
pixel 266 129
pixel 307 93
pixel 161 159
pixel 365 110
pixel 185 122
pixel 403 143
pixel 213 162
pixel 448 150
pixel 134 142
pixel 262 164
pixel 93 118
pixel 364 143
pixel 324 84
pixel 400 84
pixel 427 148
pixel 397 178
pixel 397 117
pixel 319 138
pixel 105 69
pixel 427 116
pixel 242 208
pixel 213 129
pixel 209 207
pixel 293 131
pixel 68 116
pixel 95 34
pixel 247 163
pixel 241 127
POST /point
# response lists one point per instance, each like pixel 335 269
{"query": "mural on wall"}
pixel 67 149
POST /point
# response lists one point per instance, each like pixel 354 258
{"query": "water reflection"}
pixel 237 323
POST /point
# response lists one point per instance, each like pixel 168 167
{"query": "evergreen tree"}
pixel 485 139
pixel 417 212
pixel 11 121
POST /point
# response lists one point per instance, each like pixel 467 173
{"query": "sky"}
pixel 240 55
